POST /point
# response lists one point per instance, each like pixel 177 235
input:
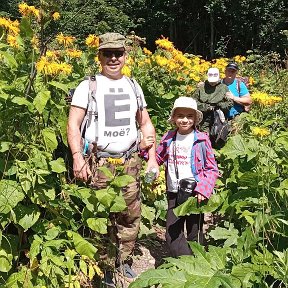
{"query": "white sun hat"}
pixel 213 75
pixel 186 102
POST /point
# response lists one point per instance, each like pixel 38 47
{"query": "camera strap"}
pixel 175 158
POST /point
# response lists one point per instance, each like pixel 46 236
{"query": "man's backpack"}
pixel 220 129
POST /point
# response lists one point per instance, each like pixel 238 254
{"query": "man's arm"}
pixel 80 167
pixel 244 100
pixel 147 130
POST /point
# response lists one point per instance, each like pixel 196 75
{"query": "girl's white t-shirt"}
pixel 183 145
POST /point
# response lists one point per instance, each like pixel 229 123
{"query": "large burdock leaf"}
pixel 50 139
pixel 26 216
pixel 82 246
pixel 41 99
pixel 10 195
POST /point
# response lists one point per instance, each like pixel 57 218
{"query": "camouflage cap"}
pixel 111 40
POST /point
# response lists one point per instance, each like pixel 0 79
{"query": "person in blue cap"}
pixel 239 92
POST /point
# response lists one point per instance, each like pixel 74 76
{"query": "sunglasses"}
pixel 111 53
pixel 213 74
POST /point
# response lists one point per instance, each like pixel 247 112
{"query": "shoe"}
pixel 108 280
pixel 128 272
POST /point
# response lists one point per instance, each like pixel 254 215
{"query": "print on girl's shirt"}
pixel 181 155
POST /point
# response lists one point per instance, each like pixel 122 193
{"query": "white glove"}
pixel 221 115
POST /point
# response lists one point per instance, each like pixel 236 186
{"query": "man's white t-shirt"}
pixel 116 127
pixel 183 145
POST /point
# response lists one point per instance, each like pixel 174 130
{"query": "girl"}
pixel 188 156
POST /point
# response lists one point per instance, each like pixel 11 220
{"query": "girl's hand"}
pixel 200 198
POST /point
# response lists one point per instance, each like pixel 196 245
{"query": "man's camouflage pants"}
pixel 127 222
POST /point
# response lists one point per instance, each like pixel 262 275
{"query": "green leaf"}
pixel 5 146
pixel 59 85
pixel 98 224
pixel 35 247
pixel 41 99
pixel 105 196
pixel 5 261
pixel 10 195
pixel 234 147
pixel 22 101
pixel 9 59
pixel 58 165
pixel 82 246
pixel 148 213
pixel 231 235
pixel 50 139
pixel 25 27
pixel 26 216
pixel 118 205
pixel 123 181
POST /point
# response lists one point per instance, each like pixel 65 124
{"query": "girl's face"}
pixel 184 119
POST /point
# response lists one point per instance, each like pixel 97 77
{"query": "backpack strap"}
pixel 238 85
pixel 91 112
pixel 203 153
pixel 133 84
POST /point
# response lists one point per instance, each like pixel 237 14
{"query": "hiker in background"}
pixel 239 92
pixel 212 97
pixel 191 171
pixel 112 141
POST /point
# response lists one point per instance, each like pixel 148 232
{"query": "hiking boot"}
pixel 108 280
pixel 127 271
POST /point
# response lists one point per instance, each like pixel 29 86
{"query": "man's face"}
pixel 112 61
pixel 230 73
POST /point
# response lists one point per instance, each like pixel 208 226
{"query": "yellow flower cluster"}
pixel 147 52
pixel 165 44
pixel 157 188
pixel 264 99
pixel 11 26
pixel 92 41
pixel 52 68
pixel 73 53
pixel 27 10
pixel 56 16
pixel 12 41
pixel 65 40
pixel 239 58
pixel 258 131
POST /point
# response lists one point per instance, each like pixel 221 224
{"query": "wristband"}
pixel 76 152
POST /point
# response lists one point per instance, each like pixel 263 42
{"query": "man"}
pixel 113 136
pixel 239 93
pixel 212 96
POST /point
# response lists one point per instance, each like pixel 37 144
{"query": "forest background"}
pixel 206 27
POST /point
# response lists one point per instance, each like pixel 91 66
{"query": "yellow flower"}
pixel 147 52
pixel 239 58
pixel 12 41
pixel 126 71
pixel 27 10
pixel 65 40
pixel 264 99
pixel 11 26
pixel 164 43
pixel 92 41
pixel 74 53
pixel 56 16
pixel 258 131
pixel 161 61
pixel 35 42
pixel 52 68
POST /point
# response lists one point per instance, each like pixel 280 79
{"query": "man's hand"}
pixel 81 168
pixel 151 164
